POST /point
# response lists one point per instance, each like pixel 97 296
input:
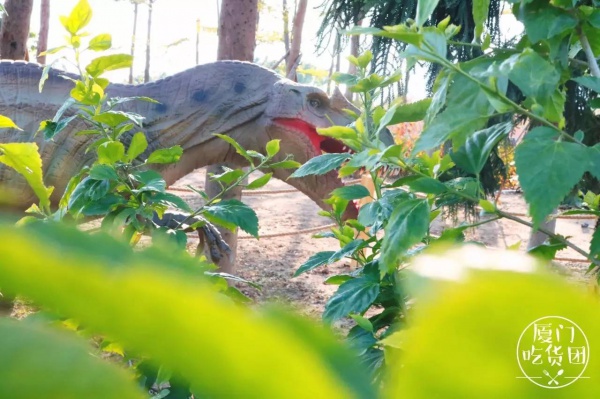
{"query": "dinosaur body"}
pixel 245 101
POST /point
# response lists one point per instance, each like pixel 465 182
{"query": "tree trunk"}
pixel 294 55
pixel 133 36
pixel 148 42
pixel 15 29
pixel 237 39
pixel 354 49
pixel 44 28
pixel 286 32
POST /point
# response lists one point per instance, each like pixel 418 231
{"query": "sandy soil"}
pixel 271 262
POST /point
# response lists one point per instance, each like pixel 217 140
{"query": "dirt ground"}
pixel 271 262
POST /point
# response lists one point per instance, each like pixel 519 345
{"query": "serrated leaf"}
pixel 408 225
pixel 115 118
pixel 338 132
pixel 171 200
pixel 237 213
pixel 447 125
pixel 595 243
pixel 424 10
pixel 272 147
pixel 101 42
pixel 473 155
pixel 412 112
pixel 260 182
pixel 548 170
pixel 353 296
pixel 353 192
pixel 111 152
pixel 165 155
pixel 228 176
pixel 137 146
pixel 534 75
pixel 78 19
pixel 316 260
pixel 101 172
pixel 25 159
pixel 347 250
pixel 108 63
pixel 321 165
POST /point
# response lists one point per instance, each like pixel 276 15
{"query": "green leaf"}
pixel 7 123
pixel 234 144
pixel 150 181
pixel 534 75
pixel 407 226
pixel 487 206
pixel 272 147
pixel 260 182
pixel 45 363
pixel 364 59
pixel 137 146
pixel 111 152
pixel 595 243
pixel 228 176
pixel 288 164
pixel 26 160
pixel 338 132
pixel 453 319
pixel 424 10
pixel 171 200
pixel 108 63
pixel 344 78
pixel 237 213
pixel 591 82
pixel 412 112
pixel 50 129
pixel 115 118
pixel 165 155
pixel 101 42
pixel 103 172
pixel 548 170
pixel 594 154
pixel 353 296
pixel 321 165
pixel 78 19
pixel 421 184
pixel 547 252
pixel 480 15
pixel 447 125
pixel 544 22
pixel 363 322
pixel 316 260
pixel 347 250
pixel 75 283
pixel 353 192
pixel 472 156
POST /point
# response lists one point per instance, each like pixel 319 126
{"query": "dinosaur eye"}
pixel 314 103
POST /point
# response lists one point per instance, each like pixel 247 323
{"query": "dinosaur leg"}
pixel 226 264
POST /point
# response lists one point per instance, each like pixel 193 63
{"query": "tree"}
pixel 237 39
pixel 15 29
pixel 148 42
pixel 42 45
pixel 293 58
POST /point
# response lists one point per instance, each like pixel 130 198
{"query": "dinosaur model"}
pixel 245 101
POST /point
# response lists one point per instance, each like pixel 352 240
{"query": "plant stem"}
pixel 589 53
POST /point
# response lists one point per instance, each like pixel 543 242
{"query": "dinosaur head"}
pixel 293 117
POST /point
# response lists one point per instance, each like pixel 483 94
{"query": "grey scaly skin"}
pixel 245 101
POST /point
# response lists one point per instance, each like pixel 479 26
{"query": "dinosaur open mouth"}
pixel 320 143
